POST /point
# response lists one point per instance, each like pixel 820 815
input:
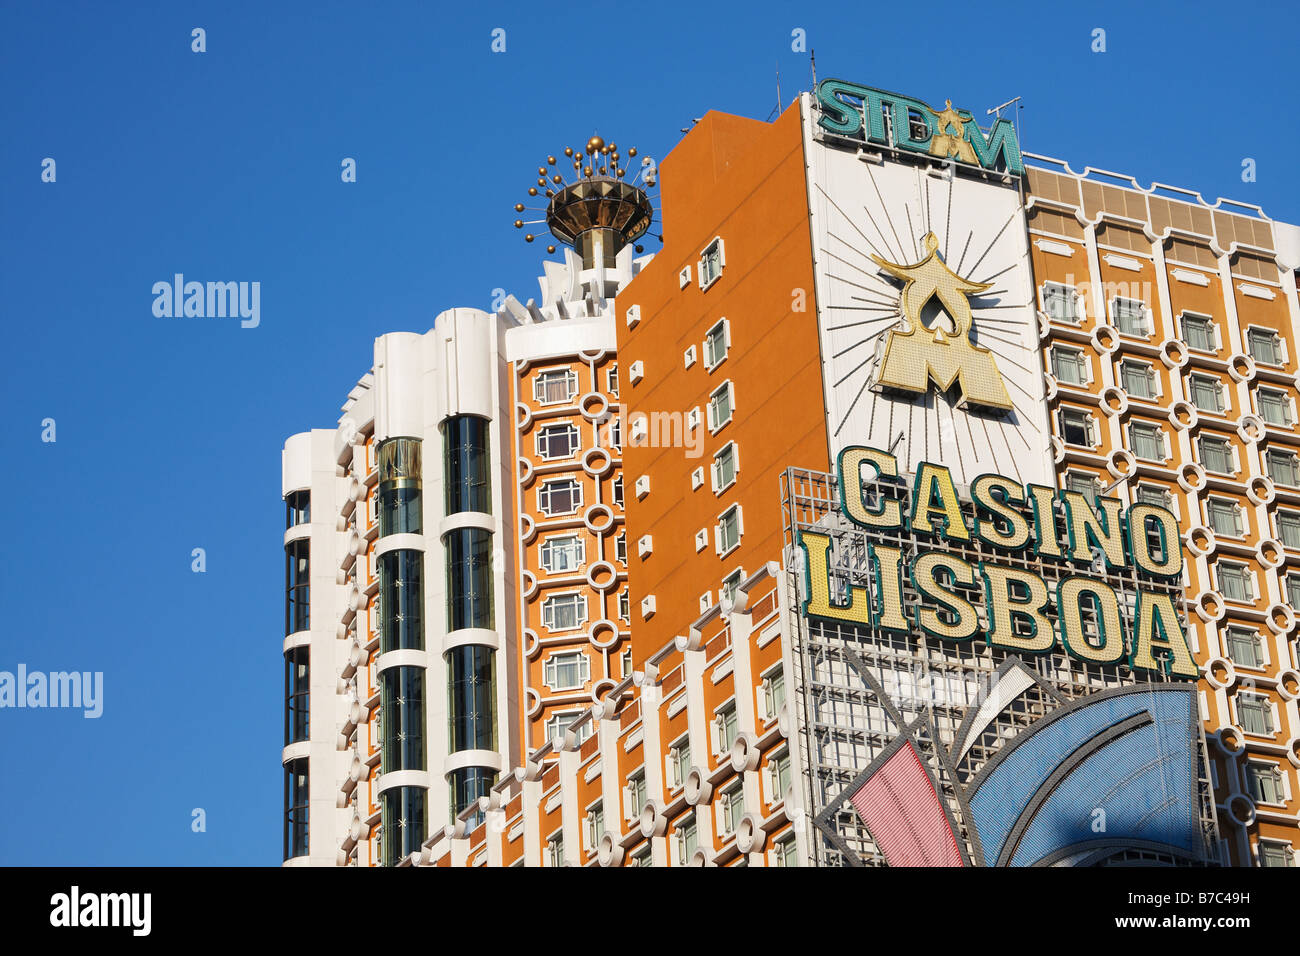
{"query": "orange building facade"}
pixel 699 681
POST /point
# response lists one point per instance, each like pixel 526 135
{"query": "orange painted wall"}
pixel 744 181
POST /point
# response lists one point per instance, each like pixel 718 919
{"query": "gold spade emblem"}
pixel 917 355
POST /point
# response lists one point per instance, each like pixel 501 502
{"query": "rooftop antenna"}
pixel 998 111
pixel 812 59
pixel 778 87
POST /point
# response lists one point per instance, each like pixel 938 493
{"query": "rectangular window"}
pixel 1216 454
pixel 625 612
pixel 724 467
pixel 687 838
pixel 711 263
pixel 595 825
pixel 1076 427
pixel 1281 467
pixel 733 806
pixel 1234 582
pixel 1138 379
pixel 642 857
pixel 557 441
pixel 620 547
pixel 564 612
pixel 1152 495
pixel 720 407
pixel 1288 528
pixel 774 692
pixel 679 762
pixel 730 583
pixel 1274 407
pixel 716 341
pixel 555 387
pixel 1275 854
pixel 558 723
pixel 1198 330
pixel 1130 316
pixel 1085 485
pixel 563 554
pixel 724 728
pixel 1068 366
pixel 611 380
pixel 1264 781
pixel 636 794
pixel 1264 346
pixel 1060 302
pixel 1147 441
pixel 555 850
pixel 787 851
pixel 1207 393
pixel 560 497
pixel 566 671
pixel 1244 647
pixel 1293 590
pixel 1255 714
pixel 779 774
pixel 1225 517
pixel 729 529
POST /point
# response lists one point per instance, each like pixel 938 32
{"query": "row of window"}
pixel 1138 379
pixel 567 611
pixel 567 553
pixel 1147 441
pixel 1133 317
pixel 560 386
pixel 563 496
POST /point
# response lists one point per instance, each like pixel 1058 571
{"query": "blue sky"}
pixel 225 166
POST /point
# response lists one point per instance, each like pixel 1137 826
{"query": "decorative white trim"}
pixel 1122 262
pixel 1257 291
pixel 1054 248
pixel 1195 278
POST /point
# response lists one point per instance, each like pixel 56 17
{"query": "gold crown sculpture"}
pixel 598 213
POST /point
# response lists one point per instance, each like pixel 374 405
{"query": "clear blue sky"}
pixel 225 166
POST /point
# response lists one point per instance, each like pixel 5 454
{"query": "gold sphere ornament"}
pixel 639 248
pixel 568 151
pixel 632 152
pixel 528 237
pixel 519 207
pixel 550 193
pixel 550 160
pixel 550 249
pixel 556 178
pixel 519 224
pixel 532 190
pixel 541 170
pixel 586 170
pixel 621 173
pixel 595 145
pixel 541 181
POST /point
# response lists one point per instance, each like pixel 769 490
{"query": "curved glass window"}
pixel 469 578
pixel 467 785
pixel 297 677
pixel 297 600
pixel 401 601
pixel 402 699
pixel 399 486
pixel 403 813
pixel 295 808
pixel 467 464
pixel 297 507
pixel 471 695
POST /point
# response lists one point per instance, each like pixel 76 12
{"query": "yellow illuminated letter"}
pixel 889 515
pixel 934 496
pixel 1004 608
pixel 817 550
pixel 1156 626
pixel 1069 608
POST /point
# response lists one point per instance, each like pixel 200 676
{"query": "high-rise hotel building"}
pixel 920 502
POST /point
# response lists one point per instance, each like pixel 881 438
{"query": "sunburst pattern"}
pixel 862 209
